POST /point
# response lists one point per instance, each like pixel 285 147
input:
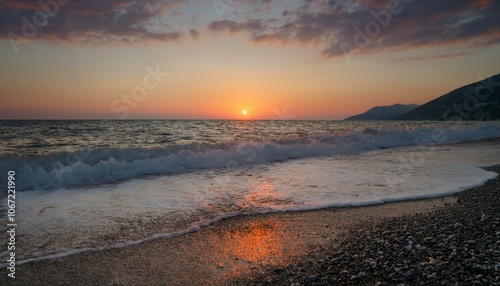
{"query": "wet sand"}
pixel 235 248
pixel 243 249
pixel 455 245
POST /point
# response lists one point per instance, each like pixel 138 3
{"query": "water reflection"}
pixel 258 241
pixel 248 195
pixel 264 195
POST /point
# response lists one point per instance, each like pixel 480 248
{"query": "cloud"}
pixel 194 33
pixel 234 27
pixel 334 27
pixel 92 21
pixel 368 26
pixel 441 56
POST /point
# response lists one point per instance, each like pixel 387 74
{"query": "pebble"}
pixel 312 278
pixel 424 249
pixel 410 275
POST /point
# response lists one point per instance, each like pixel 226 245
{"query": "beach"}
pixel 403 242
pixel 283 212
pixel 250 142
pixel 458 244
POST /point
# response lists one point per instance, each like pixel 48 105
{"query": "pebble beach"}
pixel 453 240
pixel 456 245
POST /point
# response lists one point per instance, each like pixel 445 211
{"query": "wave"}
pixel 101 166
pixel 196 226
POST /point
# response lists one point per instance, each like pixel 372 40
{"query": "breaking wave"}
pixel 101 166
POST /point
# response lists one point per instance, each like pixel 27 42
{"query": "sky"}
pixel 214 59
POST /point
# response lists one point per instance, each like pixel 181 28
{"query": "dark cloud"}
pixel 194 33
pixel 92 21
pixel 366 26
pixel 336 27
pixel 235 27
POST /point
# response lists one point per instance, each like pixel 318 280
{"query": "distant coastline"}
pixel 479 101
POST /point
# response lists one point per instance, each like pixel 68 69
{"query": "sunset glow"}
pixel 260 242
pixel 183 59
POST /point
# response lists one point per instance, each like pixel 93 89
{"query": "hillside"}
pixel 476 101
pixel 384 112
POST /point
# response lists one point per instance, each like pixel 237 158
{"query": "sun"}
pixel 244 112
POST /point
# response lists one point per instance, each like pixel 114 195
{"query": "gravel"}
pixel 455 245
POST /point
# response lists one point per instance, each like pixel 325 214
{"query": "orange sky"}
pixel 218 63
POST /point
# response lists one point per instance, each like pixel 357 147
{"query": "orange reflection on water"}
pixel 257 241
pixel 263 196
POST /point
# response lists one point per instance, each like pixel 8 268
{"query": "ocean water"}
pixel 86 185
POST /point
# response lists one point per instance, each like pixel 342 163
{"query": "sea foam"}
pixel 101 166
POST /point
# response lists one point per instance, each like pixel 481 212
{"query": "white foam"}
pixel 66 221
pixel 114 165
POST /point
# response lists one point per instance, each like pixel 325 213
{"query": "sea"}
pixel 89 185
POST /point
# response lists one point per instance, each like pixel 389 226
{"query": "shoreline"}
pixel 153 230
pixel 458 244
pixel 223 252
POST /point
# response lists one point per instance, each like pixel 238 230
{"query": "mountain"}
pixel 384 112
pixel 476 101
